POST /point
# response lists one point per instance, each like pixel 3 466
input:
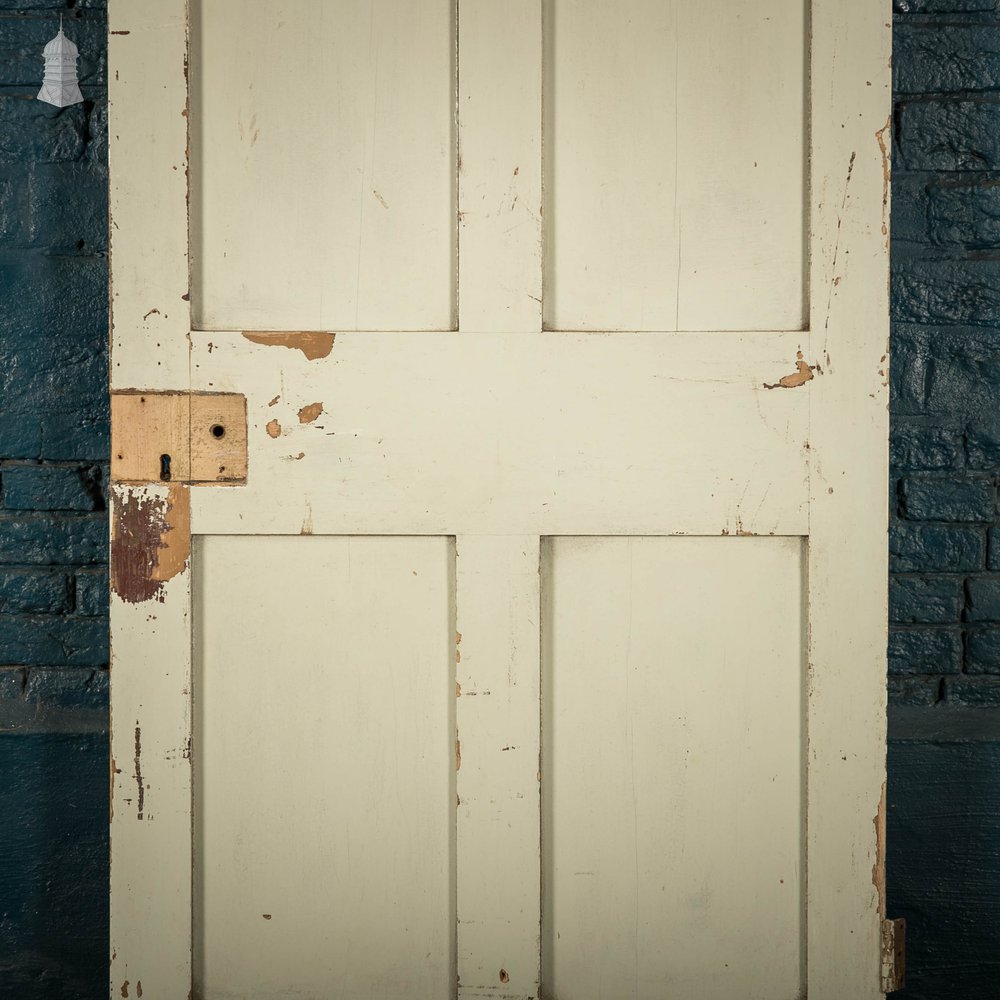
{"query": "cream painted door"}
pixel 538 647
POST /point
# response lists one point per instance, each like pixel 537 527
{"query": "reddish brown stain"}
pixel 150 542
pixel 309 413
pixel 312 345
pixel 152 312
pixel 273 428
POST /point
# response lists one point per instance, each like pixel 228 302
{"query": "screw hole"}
pixel 165 468
pixel 218 431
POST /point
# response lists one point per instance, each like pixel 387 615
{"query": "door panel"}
pixel 301 219
pixel 675 165
pixel 673 768
pixel 330 850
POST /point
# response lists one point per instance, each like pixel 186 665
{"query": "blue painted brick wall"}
pixel 943 867
pixel 53 535
pixel 945 448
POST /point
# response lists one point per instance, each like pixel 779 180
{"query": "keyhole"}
pixel 218 431
pixel 165 468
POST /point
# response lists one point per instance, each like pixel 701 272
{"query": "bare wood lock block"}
pixel 178 437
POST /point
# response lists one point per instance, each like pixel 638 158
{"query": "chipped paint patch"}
pixel 803 373
pixel 313 345
pixel 458 755
pixel 309 413
pixel 878 868
pixel 883 145
pixel 150 540
pixel 273 428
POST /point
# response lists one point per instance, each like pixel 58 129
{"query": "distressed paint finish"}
pixel 150 617
pixel 851 95
pixel 501 430
pixel 150 741
pixel 497 715
pixel 515 433
pixel 148 163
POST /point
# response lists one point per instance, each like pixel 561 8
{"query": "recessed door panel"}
pixel 324 768
pixel 673 768
pixel 675 165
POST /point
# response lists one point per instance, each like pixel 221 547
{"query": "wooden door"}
pixel 499 513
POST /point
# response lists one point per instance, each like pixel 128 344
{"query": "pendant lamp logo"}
pixel 60 85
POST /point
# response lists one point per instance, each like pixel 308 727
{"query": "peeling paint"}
pixel 803 373
pixel 150 541
pixel 458 755
pixel 883 145
pixel 141 798
pixel 309 413
pixel 313 345
pixel 273 401
pixel 878 868
pixel 124 989
pixel 273 428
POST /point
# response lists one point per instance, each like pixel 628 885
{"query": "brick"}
pixel 948 374
pixel 935 549
pixel 982 444
pixel 964 215
pixel 984 599
pixel 926 600
pixel 934 58
pixel 949 500
pixel 943 6
pixel 13 209
pixel 950 134
pixel 946 292
pixel 92 592
pixel 993 558
pixel 67 688
pixel 67 207
pixel 910 194
pixel 925 651
pixel 58 436
pixel 978 692
pixel 918 448
pixel 53 346
pixel 52 487
pixel 53 641
pixel 982 651
pixel 920 691
pixel 33 591
pixel 33 131
pixel 40 540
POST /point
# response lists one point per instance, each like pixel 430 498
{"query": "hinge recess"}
pixel 178 437
pixel 893 955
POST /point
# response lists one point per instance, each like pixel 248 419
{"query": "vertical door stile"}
pixel 847 572
pixel 497 584
pixel 500 166
pixel 150 531
pixel 497 755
